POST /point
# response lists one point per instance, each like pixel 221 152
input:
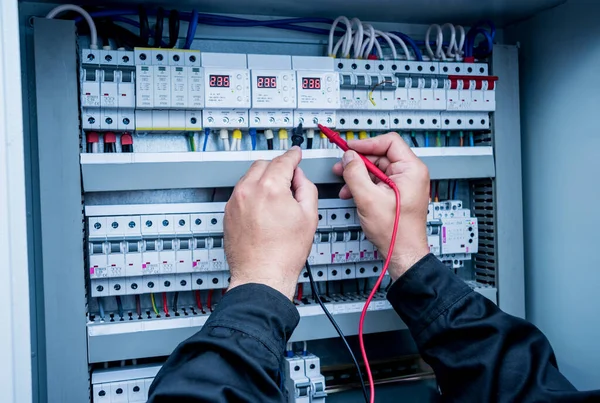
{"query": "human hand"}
pixel 376 202
pixel 270 221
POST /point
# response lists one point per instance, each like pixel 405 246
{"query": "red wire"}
pixel 361 323
pixel 199 301
pixel 165 304
pixel 300 290
pixel 209 299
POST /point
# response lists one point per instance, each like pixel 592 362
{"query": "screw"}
pixel 199 281
pixel 119 391
pixel 142 56
pixel 176 58
pixel 131 224
pixel 312 366
pixel 213 221
pixel 108 121
pixel 198 221
pixel 125 59
pixel 126 121
pixel 167 283
pixel 91 57
pixel 134 286
pixel 181 223
pixel 183 283
pixel 215 280
pixel 193 121
pixel 165 223
pixel 192 58
pixel 117 287
pixel 148 223
pixel 97 225
pixel 108 58
pixel 91 120
pixel 100 288
pixel 136 389
pixel 115 225
pixel 347 216
pixel 159 57
pixel 150 284
pixel 102 393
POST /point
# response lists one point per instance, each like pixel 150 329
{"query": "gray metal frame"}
pixel 61 211
pixel 509 188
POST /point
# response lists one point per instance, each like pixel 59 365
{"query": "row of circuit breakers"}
pixel 304 381
pixel 180 252
pixel 185 90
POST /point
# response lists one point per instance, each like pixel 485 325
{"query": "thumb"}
pixel 357 177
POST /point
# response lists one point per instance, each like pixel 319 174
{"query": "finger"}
pixel 357 178
pixel 345 193
pixel 391 145
pixel 338 169
pixel 281 170
pixel 380 162
pixel 256 170
pixel 305 192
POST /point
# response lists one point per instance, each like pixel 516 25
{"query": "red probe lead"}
pixel 335 138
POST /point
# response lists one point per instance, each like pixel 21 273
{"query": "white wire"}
pixel 338 44
pixel 347 42
pixel 371 35
pixel 304 347
pixel 452 44
pixel 461 43
pixel 71 7
pixel 439 41
pixel 358 37
pixel 402 45
pixel 283 144
pixel 390 43
pixel 332 31
pixel 226 145
pixel 367 52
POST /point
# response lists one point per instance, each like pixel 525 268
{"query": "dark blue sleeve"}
pixel 237 355
pixel 478 352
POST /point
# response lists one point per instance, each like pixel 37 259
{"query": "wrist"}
pixel 407 257
pixel 284 286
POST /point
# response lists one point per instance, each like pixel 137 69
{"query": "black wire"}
pixel 173 28
pixel 120 307
pixel 337 328
pixel 158 27
pixel 309 142
pixel 447 141
pixel 414 141
pixel 175 299
pixel 269 144
pixel 449 192
pixel 389 285
pixel 144 27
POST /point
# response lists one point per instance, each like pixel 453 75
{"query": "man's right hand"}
pixel 376 202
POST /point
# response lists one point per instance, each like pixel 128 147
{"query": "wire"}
pixel 462 139
pixel 471 140
pixel 199 301
pixel 174 23
pixel 192 27
pixel 144 26
pixel 437 194
pixel 426 139
pixel 101 308
pixel 71 7
pixel 120 307
pixel 413 137
pixel 300 289
pixel 438 139
pixel 447 142
pixel 175 300
pixel 209 300
pixel 165 304
pixel 455 191
pixel 206 135
pixel 158 27
pixel 138 306
pixel 154 305
pixel 313 286
pixel 373 89
pixel 375 288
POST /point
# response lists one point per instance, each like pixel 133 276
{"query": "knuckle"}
pixel 268 186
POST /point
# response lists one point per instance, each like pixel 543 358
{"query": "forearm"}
pixel 237 354
pixel 478 352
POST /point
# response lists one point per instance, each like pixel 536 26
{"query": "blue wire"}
pixel 191 33
pixel 206 134
pixel 471 140
pixel 426 139
pixel 411 43
pixel 252 133
pixel 101 307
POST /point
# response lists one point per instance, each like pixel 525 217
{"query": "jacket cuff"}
pixel 424 292
pixel 259 311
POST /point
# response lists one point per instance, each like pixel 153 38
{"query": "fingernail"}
pixel 348 156
pixel 296 148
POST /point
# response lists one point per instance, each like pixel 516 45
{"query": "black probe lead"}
pixel 315 292
pixel 297 136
